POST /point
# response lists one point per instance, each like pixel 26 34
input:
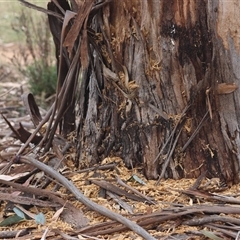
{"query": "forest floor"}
pixel 173 209
pixel 40 207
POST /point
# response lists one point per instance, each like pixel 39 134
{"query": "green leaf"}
pixel 11 220
pixel 210 235
pixel 137 179
pixel 19 212
pixel 40 219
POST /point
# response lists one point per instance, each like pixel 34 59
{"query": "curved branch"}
pixel 92 205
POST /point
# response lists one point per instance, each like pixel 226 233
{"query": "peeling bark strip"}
pixel 142 63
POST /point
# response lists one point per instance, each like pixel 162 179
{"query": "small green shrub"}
pixel 42 78
pixel 35 59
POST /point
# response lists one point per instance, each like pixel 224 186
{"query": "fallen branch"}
pixel 209 196
pixel 26 200
pixel 120 202
pixel 45 193
pixel 221 229
pixel 14 234
pixel 161 216
pixel 117 190
pixel 120 182
pixel 211 219
pixel 92 205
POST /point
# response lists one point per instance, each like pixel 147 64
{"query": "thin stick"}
pixel 166 163
pixel 120 182
pixel 195 132
pixel 40 9
pixel 172 133
pixel 80 196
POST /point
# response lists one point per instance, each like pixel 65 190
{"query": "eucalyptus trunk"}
pixel 159 87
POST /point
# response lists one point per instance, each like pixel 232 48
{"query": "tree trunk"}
pixel 159 88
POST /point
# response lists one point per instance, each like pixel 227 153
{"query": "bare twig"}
pixel 115 189
pixel 45 119
pixel 209 196
pixel 26 200
pixel 220 229
pixel 198 182
pixel 172 133
pixel 120 182
pixel 166 163
pixel 158 217
pixel 195 132
pixel 120 202
pixel 13 234
pixel 30 5
pixel 92 205
pixel 210 219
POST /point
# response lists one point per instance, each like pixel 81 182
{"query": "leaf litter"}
pixel 173 209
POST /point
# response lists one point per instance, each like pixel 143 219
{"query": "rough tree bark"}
pixel 159 73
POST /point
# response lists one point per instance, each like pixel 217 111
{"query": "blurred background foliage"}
pixel 34 58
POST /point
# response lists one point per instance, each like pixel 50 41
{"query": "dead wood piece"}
pixel 64 235
pixel 158 217
pixel 144 220
pixel 220 228
pixel 208 209
pixel 210 219
pixel 32 108
pixel 166 163
pixel 13 234
pixel 211 196
pixel 80 197
pixel 57 163
pixel 63 95
pixel 120 182
pixel 73 33
pixel 98 227
pixel 112 188
pixel 198 182
pixel 230 227
pixel 120 202
pixel 169 142
pixel 179 212
pixel 82 221
pixel 26 200
pixel 45 119
pixel 196 131
pixel 21 133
